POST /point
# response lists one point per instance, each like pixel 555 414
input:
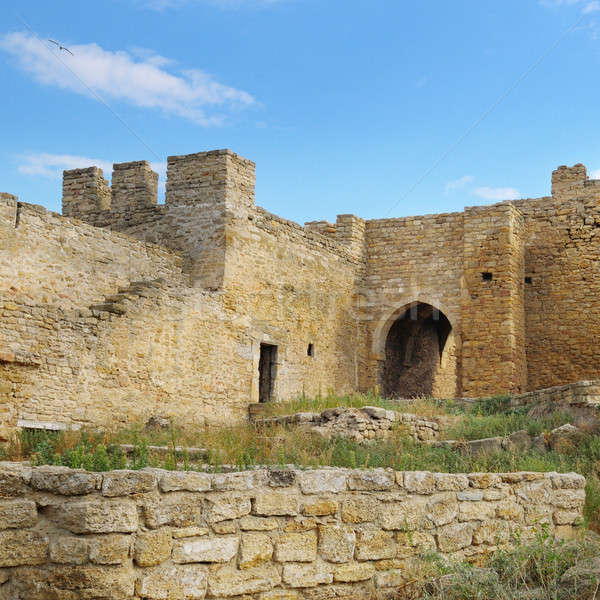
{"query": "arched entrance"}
pixel 420 356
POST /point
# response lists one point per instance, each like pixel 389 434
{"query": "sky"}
pixel 381 108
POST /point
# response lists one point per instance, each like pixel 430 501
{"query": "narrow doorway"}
pixel 266 372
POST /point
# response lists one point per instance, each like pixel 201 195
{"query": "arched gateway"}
pixel 419 354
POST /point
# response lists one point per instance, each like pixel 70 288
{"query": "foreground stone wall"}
pixel 265 535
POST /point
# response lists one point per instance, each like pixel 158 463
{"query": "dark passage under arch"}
pixel 413 351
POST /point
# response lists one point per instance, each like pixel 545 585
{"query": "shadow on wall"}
pixel 419 354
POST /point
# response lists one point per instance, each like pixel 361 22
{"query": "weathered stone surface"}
pixel 125 483
pixel 64 481
pixel 419 482
pixel 336 543
pixel 275 503
pixel 178 509
pixel 152 547
pixel 476 511
pixel 255 549
pixel 378 479
pixel 308 575
pixel 251 523
pixel 226 581
pixel 205 549
pixel 359 509
pixel 393 578
pixel 322 481
pixel 22 547
pixel 450 482
pixel 245 480
pixel 320 508
pixel 69 550
pixel 224 527
pixel 353 572
pixel 11 481
pixel 111 549
pixel 374 544
pixel 454 537
pixel 408 515
pixel 229 507
pixel 187 481
pixel 17 514
pixel 442 509
pixel 96 516
pixel 296 547
pixel 173 582
pixel 189 532
pixel 414 543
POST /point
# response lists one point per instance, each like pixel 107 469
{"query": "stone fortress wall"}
pixel 279 534
pixel 122 308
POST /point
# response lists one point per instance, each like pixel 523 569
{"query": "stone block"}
pixel 476 511
pixel 442 509
pixel 280 595
pixel 323 481
pixel 414 543
pixel 22 547
pixel 336 543
pixel 152 547
pixel 392 578
pixel 187 481
pixel 352 572
pixel 177 509
pixel 359 509
pixel 96 516
pixel 189 532
pixel 296 547
pixel 205 549
pixel 228 507
pixel 419 482
pixel 307 575
pixel 455 537
pixel 509 510
pixel 320 508
pixel 255 549
pixel 241 481
pixel 69 550
pixel 405 516
pixel 227 581
pixel 127 483
pixel 275 504
pixel 111 549
pixel 450 482
pixel 375 480
pixel 251 523
pixel 12 483
pixel 374 544
pixel 173 582
pixel 64 481
pixel 17 514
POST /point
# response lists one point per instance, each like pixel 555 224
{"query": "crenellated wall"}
pixel 262 535
pixel 123 308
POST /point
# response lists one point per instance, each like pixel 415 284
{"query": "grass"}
pixel 246 446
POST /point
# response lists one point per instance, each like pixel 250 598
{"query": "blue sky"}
pixel 346 106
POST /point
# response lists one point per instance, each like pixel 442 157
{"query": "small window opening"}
pixel 528 280
pixel 311 350
pixel 487 276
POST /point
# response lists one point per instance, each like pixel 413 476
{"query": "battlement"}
pixel 217 176
pixel 565 179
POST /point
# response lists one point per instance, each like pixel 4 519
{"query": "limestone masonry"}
pixel 278 534
pixel 121 308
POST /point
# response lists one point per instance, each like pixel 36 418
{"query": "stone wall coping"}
pixel 65 481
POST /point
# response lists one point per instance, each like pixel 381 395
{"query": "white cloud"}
pixel 144 82
pixel 588 6
pixel 225 4
pixel 52 165
pixel 461 182
pixel 497 193
pixel 595 174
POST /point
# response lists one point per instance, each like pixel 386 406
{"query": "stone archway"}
pixel 419 354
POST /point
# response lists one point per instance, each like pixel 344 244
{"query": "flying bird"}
pixel 61 47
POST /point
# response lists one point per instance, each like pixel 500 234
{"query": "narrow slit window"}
pixel 311 349
pixel 528 280
pixel 487 276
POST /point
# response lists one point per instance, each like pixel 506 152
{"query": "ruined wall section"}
pixel 294 288
pixel 562 307
pixel 493 357
pixel 414 259
pixel 260 535
pixel 48 259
